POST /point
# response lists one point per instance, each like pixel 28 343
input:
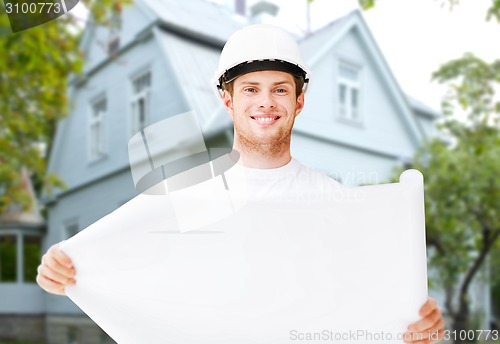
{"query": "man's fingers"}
pixel 55 276
pixel 49 285
pixel 60 257
pixel 427 322
pixel 50 263
pixel 428 335
pixel 428 308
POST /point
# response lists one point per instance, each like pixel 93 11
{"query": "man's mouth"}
pixel 265 120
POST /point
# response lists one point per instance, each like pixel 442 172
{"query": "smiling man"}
pixel 261 81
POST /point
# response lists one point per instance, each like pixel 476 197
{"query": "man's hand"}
pixel 56 271
pixel 430 328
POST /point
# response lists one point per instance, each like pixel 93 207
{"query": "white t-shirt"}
pixel 293 182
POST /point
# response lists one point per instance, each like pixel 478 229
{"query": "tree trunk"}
pixel 461 317
pixel 461 320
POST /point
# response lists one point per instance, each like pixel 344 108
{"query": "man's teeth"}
pixel 265 119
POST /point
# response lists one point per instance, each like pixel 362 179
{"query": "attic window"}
pixel 141 89
pixel 113 45
pixel 96 123
pixel 349 89
pixel 114 33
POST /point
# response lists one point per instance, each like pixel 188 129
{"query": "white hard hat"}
pixel 259 47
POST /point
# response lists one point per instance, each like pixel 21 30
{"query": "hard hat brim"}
pixel 262 65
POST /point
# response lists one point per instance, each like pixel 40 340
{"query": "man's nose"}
pixel 267 100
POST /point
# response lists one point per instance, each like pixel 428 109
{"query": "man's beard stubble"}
pixel 269 147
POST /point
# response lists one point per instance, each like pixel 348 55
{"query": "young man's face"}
pixel 263 107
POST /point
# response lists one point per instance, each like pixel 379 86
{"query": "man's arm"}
pixel 56 271
pixel 430 328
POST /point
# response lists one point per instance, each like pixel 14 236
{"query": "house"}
pixel 156 61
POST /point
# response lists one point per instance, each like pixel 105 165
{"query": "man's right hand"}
pixel 56 271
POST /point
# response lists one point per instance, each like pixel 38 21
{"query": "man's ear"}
pixel 300 104
pixel 228 102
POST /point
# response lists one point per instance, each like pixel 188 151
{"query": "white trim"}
pixel 350 85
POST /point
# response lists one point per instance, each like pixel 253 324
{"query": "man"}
pixel 261 80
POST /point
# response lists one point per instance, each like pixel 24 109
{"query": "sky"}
pixel 415 36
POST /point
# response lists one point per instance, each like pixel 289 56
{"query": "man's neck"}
pixel 262 159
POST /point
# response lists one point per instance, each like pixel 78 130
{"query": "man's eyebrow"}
pixel 255 83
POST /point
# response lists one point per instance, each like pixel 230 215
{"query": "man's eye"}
pixel 250 89
pixel 281 90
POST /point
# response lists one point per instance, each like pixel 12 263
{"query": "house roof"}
pixel 15 215
pixel 422 108
pixel 178 16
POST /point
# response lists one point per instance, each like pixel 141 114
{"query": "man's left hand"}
pixel 430 328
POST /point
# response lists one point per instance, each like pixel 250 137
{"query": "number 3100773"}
pixel 34 7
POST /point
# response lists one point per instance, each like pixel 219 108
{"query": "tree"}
pixel 462 186
pixel 34 71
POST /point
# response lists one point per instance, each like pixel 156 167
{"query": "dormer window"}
pixel 349 91
pixel 113 46
pixel 96 129
pixel 141 88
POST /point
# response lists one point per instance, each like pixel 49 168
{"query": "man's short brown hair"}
pixel 299 85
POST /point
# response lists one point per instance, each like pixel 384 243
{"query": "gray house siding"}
pixel 349 165
pixel 72 163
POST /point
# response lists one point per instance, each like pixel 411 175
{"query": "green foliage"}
pixel 472 82
pixel 366 4
pixel 34 72
pixel 494 10
pixel 462 185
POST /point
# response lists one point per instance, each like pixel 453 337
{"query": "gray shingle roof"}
pixel 206 20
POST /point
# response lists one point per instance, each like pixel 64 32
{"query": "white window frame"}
pixel 136 97
pixel 346 111
pixel 97 150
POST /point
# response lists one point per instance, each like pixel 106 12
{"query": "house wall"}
pixel 349 165
pixel 72 162
pixel 382 130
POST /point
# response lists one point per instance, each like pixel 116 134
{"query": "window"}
pixel 19 257
pixel 114 33
pixel 72 335
pixel 96 138
pixel 141 88
pixel 71 228
pixel 32 253
pixel 8 258
pixel 349 86
pixel 113 45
